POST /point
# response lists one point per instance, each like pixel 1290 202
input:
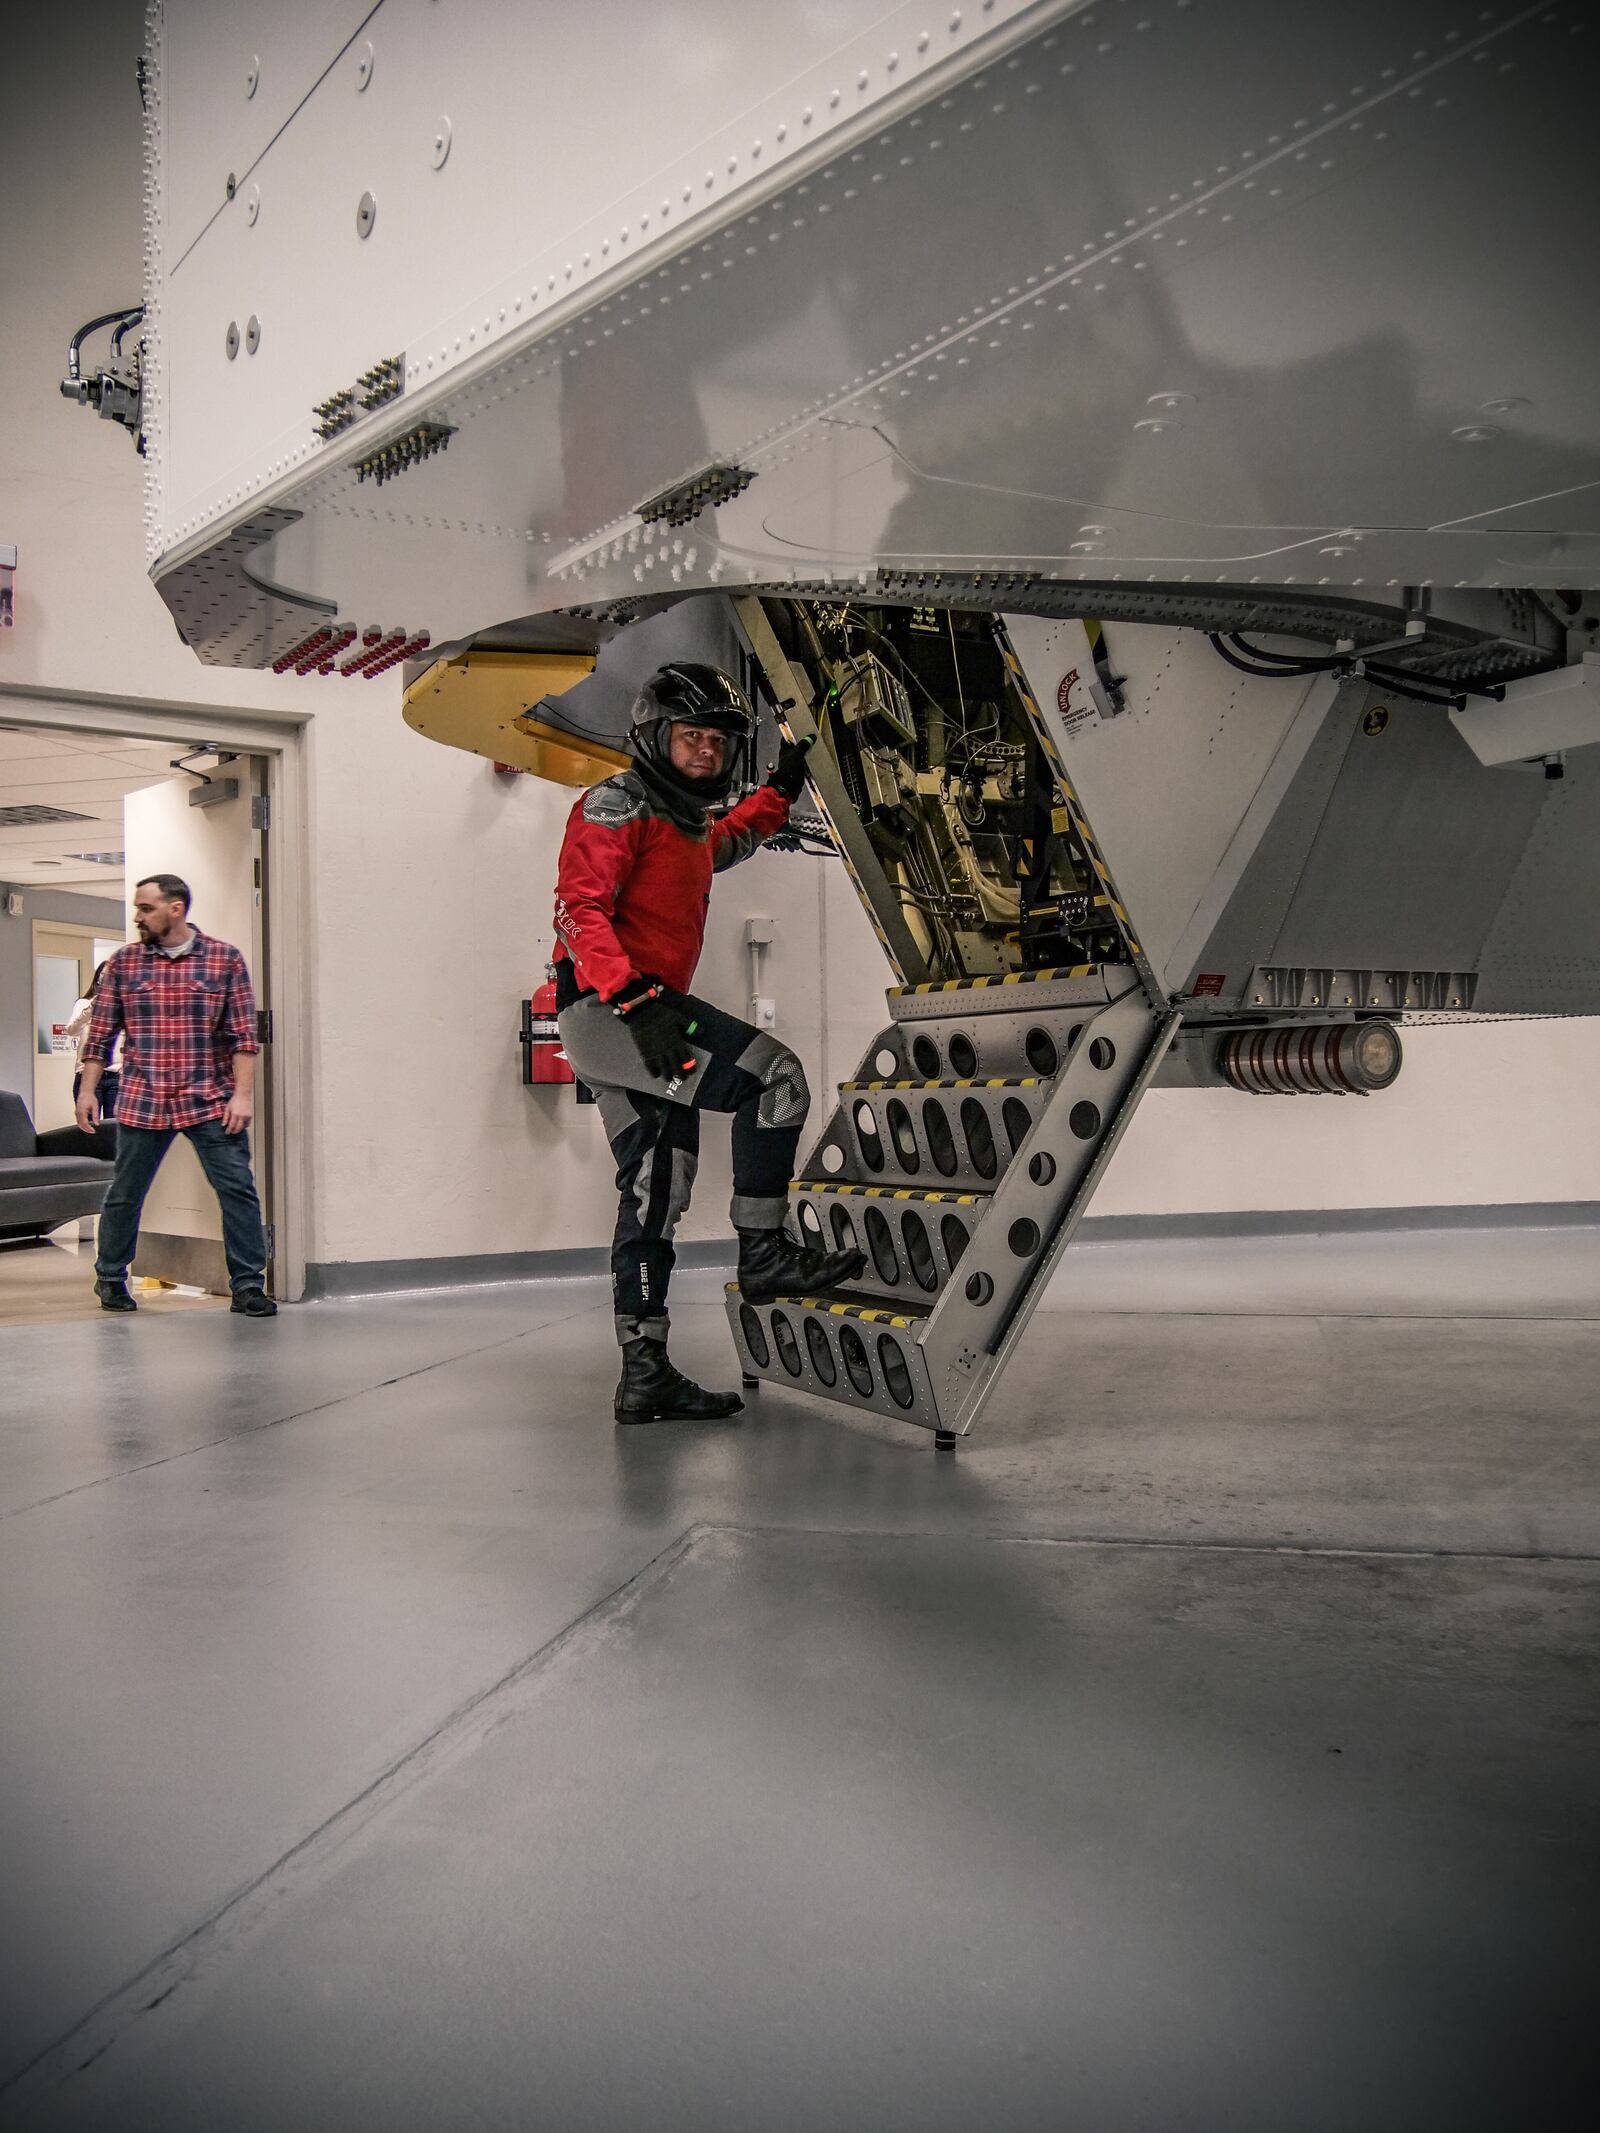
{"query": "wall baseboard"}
pixel 1340 1221
pixel 379 1277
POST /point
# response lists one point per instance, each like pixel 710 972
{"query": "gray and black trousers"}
pixel 654 1130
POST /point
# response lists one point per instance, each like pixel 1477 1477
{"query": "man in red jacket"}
pixel 631 893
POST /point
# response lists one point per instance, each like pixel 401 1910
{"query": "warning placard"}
pixel 1074 702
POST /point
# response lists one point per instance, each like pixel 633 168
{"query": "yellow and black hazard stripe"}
pixel 827 1186
pixel 870 1314
pixel 999 1081
pixel 1007 977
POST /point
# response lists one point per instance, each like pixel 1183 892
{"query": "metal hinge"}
pixel 260 811
pixel 263 1025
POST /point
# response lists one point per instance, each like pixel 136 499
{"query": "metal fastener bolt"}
pixel 364 66
pixel 231 339
pixel 230 185
pixel 366 215
pixel 1475 433
pixel 252 334
pixel 252 204
pixel 252 76
pixel 440 152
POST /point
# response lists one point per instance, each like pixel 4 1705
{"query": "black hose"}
pixel 110 318
pixel 1309 663
pixel 1245 666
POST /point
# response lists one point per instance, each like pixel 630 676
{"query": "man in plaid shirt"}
pixel 188 1020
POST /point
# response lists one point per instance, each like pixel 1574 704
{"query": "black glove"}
pixel 658 1020
pixel 788 775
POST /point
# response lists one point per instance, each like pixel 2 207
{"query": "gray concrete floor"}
pixel 1211 1743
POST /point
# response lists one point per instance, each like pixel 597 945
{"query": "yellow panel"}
pixel 484 701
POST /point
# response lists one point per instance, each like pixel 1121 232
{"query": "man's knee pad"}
pixel 785 1098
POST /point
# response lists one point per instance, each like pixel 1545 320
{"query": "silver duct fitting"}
pixel 1329 1059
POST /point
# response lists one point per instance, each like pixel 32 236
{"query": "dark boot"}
pixel 772 1264
pixel 114 1296
pixel 254 1303
pixel 652 1391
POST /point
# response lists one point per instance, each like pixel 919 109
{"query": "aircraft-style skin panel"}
pixel 1056 295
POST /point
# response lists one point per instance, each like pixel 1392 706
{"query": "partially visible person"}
pixel 187 1016
pixel 76 1028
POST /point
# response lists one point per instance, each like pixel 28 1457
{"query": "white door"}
pixel 64 958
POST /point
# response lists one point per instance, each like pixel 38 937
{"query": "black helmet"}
pixel 688 693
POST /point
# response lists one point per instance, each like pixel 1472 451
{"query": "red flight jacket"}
pixel 632 887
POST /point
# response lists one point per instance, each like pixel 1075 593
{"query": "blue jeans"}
pixel 225 1158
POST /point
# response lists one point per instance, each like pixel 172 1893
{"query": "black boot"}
pixel 114 1296
pixel 772 1264
pixel 652 1391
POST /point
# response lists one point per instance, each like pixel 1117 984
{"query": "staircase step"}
pixel 996 1081
pixel 956 1135
pixel 841 1347
pixel 913 1248
pixel 826 1186
pixel 1000 978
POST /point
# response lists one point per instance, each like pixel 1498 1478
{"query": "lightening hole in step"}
pixel 1102 1053
pixel 1042 1168
pixel 896 1377
pixel 1084 1119
pixel 904 1136
pixel 1023 1238
pixel 953 1236
pixel 755 1337
pixel 1018 1119
pixel 980 1137
pixel 832 1158
pixel 821 1354
pixel 811 1225
pixel 963 1056
pixel 925 1057
pixel 844 1230
pixel 941 1141
pixel 788 1347
pixel 1040 1047
pixel 919 1252
pixel 886 1063
pixel 857 1366
pixel 880 1243
pixel 868 1138
pixel 1074 1034
pixel 979 1288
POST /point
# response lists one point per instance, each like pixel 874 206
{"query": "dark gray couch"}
pixel 48 1178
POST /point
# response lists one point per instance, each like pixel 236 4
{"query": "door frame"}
pixel 279 739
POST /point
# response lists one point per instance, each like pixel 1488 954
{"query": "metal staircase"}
pixel 961 1161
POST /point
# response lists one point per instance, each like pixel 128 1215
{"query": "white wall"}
pixel 1481 1116
pixel 433 884
pixel 71 491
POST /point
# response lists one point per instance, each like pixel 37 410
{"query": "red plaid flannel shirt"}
pixel 182 1020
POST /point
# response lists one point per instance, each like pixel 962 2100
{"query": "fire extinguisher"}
pixel 543 1060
